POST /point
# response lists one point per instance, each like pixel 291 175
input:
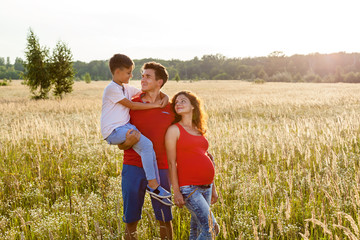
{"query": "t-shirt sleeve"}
pixel 133 91
pixel 114 94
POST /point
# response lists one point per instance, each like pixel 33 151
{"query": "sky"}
pixel 169 29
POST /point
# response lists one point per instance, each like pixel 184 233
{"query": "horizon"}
pixel 199 57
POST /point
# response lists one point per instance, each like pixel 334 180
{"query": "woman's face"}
pixel 183 105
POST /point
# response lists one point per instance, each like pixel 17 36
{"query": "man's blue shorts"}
pixel 133 185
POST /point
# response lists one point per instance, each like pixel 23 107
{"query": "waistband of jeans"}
pixel 205 186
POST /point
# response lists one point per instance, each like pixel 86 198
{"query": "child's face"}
pixel 123 74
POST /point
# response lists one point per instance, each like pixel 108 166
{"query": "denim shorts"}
pixel 133 187
pixel 197 200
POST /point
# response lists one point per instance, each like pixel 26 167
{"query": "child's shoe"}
pixel 159 192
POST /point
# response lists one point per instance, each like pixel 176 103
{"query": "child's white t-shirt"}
pixel 114 114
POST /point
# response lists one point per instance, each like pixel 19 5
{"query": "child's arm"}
pixel 137 105
pixel 164 99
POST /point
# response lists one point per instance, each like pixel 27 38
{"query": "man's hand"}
pixel 132 137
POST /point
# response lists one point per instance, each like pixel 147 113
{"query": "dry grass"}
pixel 287 163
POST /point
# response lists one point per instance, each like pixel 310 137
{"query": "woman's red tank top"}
pixel 194 167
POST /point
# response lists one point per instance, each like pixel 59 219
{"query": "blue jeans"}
pixel 197 200
pixel 144 148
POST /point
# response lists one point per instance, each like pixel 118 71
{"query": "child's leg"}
pixel 144 148
pixel 118 135
pixel 148 158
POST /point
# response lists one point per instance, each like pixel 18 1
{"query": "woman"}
pixel 190 166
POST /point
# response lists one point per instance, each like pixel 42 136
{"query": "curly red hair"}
pixel 199 115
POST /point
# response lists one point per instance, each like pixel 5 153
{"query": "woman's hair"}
pixel 199 116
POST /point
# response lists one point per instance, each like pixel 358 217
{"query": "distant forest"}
pixel 276 67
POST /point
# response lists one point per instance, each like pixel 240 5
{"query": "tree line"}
pixel 11 71
pixel 276 67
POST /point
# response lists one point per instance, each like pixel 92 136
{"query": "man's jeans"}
pixel 197 200
pixel 144 148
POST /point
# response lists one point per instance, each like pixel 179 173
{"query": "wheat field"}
pixel 287 163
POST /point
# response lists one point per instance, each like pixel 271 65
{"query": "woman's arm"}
pixel 171 137
pixel 214 195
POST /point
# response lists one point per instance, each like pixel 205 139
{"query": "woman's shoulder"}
pixel 173 127
pixel 173 130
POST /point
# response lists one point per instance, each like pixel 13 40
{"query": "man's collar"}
pixel 142 95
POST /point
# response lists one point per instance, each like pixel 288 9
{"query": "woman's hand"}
pixel 179 199
pixel 214 195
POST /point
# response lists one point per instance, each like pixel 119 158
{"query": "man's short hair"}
pixel 160 71
pixel 120 61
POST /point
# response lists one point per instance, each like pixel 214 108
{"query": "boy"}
pixel 115 120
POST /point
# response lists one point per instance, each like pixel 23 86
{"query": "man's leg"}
pixel 133 185
pixel 166 230
pixel 130 231
pixel 162 212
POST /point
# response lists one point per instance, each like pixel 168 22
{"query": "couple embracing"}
pixel 164 145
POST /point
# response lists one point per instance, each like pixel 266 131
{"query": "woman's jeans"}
pixel 197 200
pixel 144 148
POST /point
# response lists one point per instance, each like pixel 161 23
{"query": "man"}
pixel 152 123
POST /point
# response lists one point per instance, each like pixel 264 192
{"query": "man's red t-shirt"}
pixel 153 124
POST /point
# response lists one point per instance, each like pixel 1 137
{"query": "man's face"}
pixel 148 81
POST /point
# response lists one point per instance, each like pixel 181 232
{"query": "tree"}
pixel 61 69
pixel 8 64
pixel 19 64
pixel 177 77
pixel 352 77
pixel 87 77
pixel 36 74
pixel 221 76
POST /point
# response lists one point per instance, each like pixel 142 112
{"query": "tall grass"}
pixel 287 159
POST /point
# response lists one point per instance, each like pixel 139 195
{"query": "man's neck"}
pixel 151 96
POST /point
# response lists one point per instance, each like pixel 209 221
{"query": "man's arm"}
pixel 132 137
pixel 138 105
